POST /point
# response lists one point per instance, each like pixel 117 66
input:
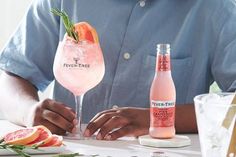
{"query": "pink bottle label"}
pixel 163 113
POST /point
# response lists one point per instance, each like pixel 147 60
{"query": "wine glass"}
pixel 78 67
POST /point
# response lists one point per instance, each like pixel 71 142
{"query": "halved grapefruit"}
pixel 44 137
pixel 56 140
pixel 21 136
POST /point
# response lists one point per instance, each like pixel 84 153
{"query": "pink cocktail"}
pixel 78 67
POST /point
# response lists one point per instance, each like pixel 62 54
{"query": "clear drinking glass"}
pixel 78 67
pixel 212 112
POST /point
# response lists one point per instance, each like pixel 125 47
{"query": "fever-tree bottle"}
pixel 162 96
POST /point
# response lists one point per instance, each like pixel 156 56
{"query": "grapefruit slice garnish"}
pixel 81 31
pixel 44 137
pixel 86 32
pixel 56 140
pixel 22 136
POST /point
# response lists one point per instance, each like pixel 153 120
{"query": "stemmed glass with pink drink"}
pixel 79 66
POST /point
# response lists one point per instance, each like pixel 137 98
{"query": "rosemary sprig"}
pixel 69 26
pixel 18 149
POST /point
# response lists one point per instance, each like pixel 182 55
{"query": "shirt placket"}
pixel 126 57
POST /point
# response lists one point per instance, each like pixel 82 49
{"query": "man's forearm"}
pixel 16 97
pixel 185 121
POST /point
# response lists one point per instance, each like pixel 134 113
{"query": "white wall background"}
pixel 11 13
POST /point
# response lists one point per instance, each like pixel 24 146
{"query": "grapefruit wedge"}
pixel 78 32
pixel 54 142
pixel 86 32
pixel 21 136
pixel 44 137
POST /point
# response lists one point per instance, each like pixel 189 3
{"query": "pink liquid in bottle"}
pixel 162 97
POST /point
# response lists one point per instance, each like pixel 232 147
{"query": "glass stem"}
pixel 78 111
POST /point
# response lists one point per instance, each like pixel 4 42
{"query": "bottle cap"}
pixel 163 48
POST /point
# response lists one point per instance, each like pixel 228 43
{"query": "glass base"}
pixel 76 136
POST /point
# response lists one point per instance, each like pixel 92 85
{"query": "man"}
pixel 202 35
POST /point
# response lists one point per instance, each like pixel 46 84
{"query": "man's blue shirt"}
pixel 202 34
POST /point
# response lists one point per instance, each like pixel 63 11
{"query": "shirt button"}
pixel 142 3
pixel 115 107
pixel 127 56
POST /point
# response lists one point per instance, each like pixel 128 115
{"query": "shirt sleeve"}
pixel 224 59
pixel 30 51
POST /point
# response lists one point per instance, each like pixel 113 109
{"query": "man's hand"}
pixel 115 123
pixel 58 118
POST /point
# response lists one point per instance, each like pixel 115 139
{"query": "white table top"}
pixel 124 147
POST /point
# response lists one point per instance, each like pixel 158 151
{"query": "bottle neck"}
pixel 163 62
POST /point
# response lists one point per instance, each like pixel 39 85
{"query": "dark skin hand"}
pixel 126 121
pixel 115 123
pixel 18 94
pixel 54 115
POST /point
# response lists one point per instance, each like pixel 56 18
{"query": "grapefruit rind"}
pixel 21 136
pixel 56 141
pixel 44 137
pixel 86 32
